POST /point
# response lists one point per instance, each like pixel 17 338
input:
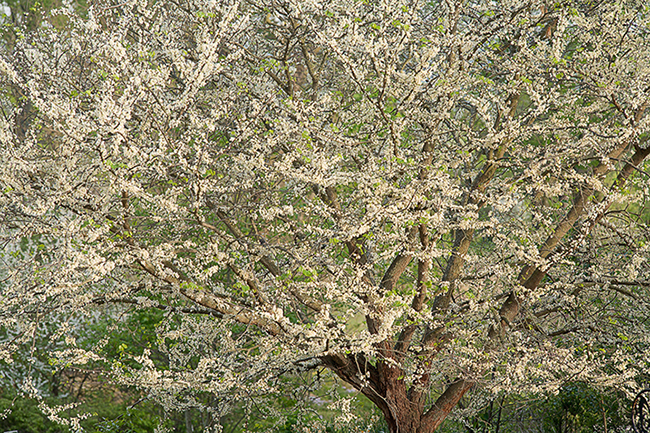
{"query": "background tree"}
pixel 420 197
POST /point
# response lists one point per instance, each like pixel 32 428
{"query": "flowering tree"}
pixel 421 197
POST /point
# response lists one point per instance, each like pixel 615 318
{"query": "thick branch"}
pixel 444 404
pixel 404 339
pixel 357 371
pixel 576 211
pixel 206 299
pixel 532 277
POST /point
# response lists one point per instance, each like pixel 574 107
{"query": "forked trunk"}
pixel 403 408
pixel 404 416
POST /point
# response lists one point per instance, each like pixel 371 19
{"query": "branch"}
pixel 398 265
pixel 357 371
pixel 158 305
pixel 463 238
pixel 251 282
pixel 627 283
pixel 445 403
pixel 209 300
pixel 615 285
pixel 405 337
pixel 531 276
pixel 265 260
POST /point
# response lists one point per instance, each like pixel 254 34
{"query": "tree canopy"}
pixel 424 198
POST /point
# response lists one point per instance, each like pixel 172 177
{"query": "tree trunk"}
pixel 384 385
pixel 405 416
